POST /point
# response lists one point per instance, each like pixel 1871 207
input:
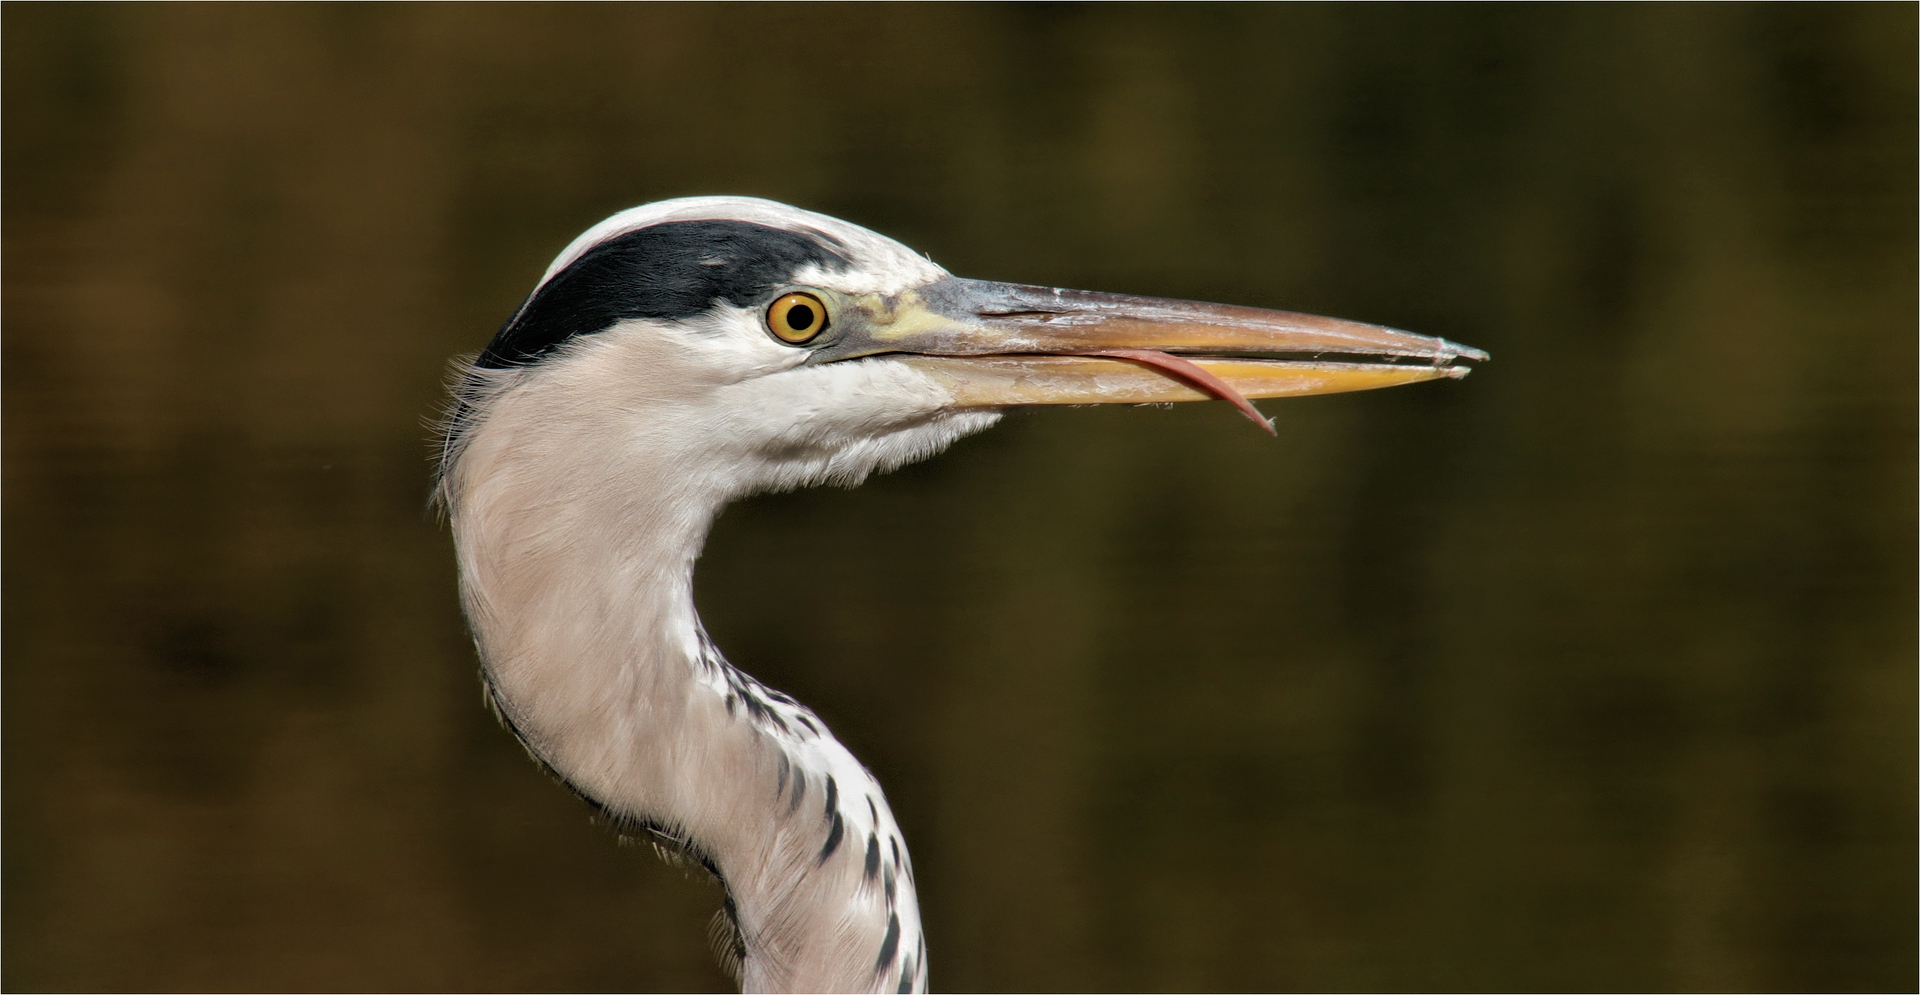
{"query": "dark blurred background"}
pixel 1594 671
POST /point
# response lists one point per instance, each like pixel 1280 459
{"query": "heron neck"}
pixel 583 612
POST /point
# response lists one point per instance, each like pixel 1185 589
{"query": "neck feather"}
pixel 577 580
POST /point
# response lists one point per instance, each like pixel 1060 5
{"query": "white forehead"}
pixel 880 264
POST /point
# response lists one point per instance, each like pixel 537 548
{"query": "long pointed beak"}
pixel 1001 344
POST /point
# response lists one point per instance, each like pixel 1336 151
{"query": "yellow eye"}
pixel 797 318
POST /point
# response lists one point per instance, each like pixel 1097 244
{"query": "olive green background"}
pixel 1593 671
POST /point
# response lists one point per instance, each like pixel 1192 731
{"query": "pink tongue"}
pixel 1191 373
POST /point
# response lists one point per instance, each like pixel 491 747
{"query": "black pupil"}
pixel 799 317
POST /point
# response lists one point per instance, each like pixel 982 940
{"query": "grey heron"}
pixel 686 353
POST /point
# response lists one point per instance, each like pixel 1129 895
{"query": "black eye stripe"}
pixel 672 270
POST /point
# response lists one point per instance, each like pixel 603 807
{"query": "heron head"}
pixel 746 345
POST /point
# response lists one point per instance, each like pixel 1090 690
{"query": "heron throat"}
pixel 576 575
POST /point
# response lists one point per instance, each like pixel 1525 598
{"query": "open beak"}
pixel 1001 344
